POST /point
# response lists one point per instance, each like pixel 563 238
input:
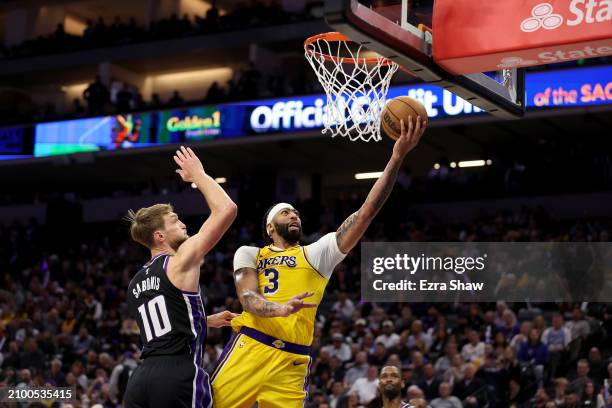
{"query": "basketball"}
pixel 402 107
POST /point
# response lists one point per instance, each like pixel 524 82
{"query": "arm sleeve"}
pixel 245 257
pixel 324 254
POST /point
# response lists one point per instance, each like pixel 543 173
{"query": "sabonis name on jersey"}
pixel 150 283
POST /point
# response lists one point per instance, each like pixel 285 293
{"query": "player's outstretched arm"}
pixel 252 301
pixel 222 210
pixel 353 228
pixel 222 319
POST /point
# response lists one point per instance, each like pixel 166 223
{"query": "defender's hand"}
pixel 222 319
pixel 410 137
pixel 190 166
pixel 295 304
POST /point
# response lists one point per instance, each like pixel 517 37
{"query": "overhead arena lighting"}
pixel 366 176
pixel 472 163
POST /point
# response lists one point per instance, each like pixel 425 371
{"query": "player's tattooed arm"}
pixel 353 228
pixel 252 301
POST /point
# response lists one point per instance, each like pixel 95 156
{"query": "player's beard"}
pixel 391 393
pixel 292 237
pixel 176 243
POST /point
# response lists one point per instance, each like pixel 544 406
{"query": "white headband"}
pixel 276 209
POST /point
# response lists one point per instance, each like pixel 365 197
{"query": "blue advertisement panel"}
pixel 547 89
pixel 574 87
pixel 127 131
pixel 14 143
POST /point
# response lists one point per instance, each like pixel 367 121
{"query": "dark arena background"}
pixel 95 98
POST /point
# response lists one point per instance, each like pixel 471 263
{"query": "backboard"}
pixel 400 31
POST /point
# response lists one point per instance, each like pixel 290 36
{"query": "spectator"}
pixel 607 388
pixel 215 93
pixel 597 368
pixel 379 356
pixel 359 330
pixel 176 99
pixel 404 322
pixel 401 348
pixel 582 377
pixel 389 338
pixel 496 378
pixel 155 101
pixel 67 326
pixel 557 339
pixel 418 338
pixel 571 399
pixel 430 384
pixel 455 373
pixel 417 363
pixel 470 387
pixel 366 388
pixel 560 390
pixel 124 99
pixel 25 377
pixel 336 393
pixel 55 376
pixel 97 96
pixel 474 350
pixel 344 306
pixel 540 398
pixel 117 383
pixel 414 393
pixel 445 399
pixel 590 396
pixel 32 357
pixel 339 348
pixel 535 353
pixel 522 336
pixel 578 326
pixel 83 342
pixel 443 363
pixel 358 370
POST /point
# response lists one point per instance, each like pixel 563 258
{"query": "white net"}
pixel 356 83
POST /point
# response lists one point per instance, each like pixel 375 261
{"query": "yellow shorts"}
pixel 249 371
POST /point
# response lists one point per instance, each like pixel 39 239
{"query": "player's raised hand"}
pixel 410 136
pixel 222 319
pixel 295 304
pixel 190 167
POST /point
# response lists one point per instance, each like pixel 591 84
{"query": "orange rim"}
pixel 335 36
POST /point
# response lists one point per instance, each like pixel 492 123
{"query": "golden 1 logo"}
pixel 195 125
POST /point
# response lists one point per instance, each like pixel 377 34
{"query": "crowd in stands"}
pixel 125 30
pixel 247 83
pixel 64 321
pixel 97 99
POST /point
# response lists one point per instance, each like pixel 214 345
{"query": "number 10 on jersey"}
pixel 157 309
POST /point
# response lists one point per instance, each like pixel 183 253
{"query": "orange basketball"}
pixel 402 107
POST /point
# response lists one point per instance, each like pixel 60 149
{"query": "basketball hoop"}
pixel 356 82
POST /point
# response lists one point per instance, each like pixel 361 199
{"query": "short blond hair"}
pixel 147 220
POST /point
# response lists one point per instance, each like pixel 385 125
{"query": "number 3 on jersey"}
pixel 272 276
pixel 157 309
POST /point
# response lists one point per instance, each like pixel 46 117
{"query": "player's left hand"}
pixel 190 167
pixel 411 134
pixel 222 319
pixel 295 304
